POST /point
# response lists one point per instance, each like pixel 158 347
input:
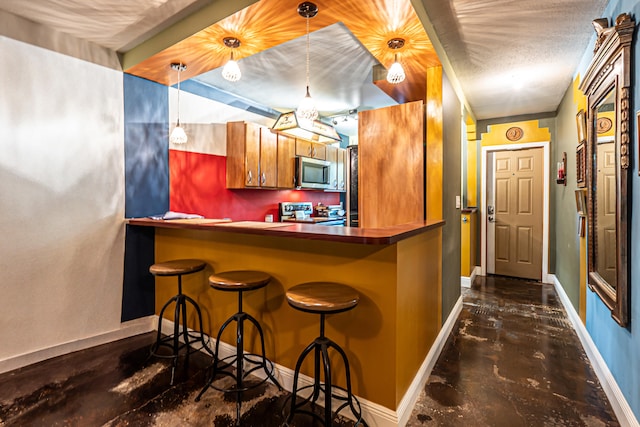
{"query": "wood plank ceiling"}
pixel 269 23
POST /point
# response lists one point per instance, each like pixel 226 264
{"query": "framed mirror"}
pixel 607 86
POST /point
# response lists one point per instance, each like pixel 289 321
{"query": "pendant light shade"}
pixel 307 109
pixel 178 135
pixel 231 70
pixel 395 74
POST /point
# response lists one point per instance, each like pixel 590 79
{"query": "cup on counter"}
pixel 268 218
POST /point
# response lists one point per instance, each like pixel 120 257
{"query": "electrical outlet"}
pixel 457 202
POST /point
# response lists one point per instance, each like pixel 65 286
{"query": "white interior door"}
pixel 488 197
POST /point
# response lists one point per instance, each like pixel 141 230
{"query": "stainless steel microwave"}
pixel 312 173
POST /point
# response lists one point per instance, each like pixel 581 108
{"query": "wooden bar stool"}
pixel 179 267
pixel 240 281
pixel 323 298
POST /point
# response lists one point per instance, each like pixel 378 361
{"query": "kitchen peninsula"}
pixel 396 270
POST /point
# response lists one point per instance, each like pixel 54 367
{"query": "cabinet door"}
pixel 252 156
pixel 318 151
pixel 303 148
pixel 314 150
pixel 342 170
pixel 236 132
pixel 332 158
pixel 268 158
pixel 286 161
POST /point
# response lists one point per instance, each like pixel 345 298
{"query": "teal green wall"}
pixel 565 240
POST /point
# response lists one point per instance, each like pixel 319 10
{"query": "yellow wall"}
pixel 434 144
pixel 532 132
pixel 467 243
pixel 472 164
pixel 418 322
pixel 391 329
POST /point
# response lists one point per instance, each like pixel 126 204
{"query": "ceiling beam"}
pixel 203 18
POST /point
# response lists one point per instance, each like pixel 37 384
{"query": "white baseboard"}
pixel 127 329
pixel 618 402
pixel 466 282
pixel 373 413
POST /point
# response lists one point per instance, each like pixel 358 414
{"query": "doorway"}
pixel 515 210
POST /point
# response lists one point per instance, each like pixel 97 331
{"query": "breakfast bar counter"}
pixel 369 236
pixel 397 271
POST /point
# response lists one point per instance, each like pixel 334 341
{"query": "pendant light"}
pixel 178 136
pixel 231 70
pixel 396 73
pixel 307 109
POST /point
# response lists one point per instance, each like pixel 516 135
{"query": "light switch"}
pixel 457 202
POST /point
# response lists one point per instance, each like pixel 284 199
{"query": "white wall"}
pixel 61 199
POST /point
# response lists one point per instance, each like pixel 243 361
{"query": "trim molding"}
pixel 466 282
pixel 618 402
pixel 127 329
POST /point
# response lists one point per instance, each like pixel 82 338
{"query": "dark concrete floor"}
pixel 513 360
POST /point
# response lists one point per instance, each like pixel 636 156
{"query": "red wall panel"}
pixel 197 185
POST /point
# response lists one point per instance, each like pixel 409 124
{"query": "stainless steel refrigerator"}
pixel 352 186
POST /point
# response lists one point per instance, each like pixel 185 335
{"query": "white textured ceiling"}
pixel 491 44
pixel 514 57
pixel 114 24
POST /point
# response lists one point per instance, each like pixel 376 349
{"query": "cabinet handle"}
pixel 310 151
pixel 249 177
pixel 342 184
pixel 335 183
pixel 264 178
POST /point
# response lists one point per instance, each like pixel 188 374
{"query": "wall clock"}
pixel 514 133
pixel 603 124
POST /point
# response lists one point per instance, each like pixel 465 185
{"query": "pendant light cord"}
pixel 308 48
pixel 179 68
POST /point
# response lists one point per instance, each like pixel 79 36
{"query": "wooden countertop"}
pixel 370 236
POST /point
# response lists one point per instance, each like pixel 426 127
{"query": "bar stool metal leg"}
pixel 322 298
pixel 240 357
pixel 180 320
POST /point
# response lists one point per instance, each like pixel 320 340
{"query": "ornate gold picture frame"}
pixel 581 165
pixel 581 125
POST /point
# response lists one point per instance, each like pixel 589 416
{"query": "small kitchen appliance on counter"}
pixel 301 212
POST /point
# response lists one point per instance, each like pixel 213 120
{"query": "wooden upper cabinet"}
pixel 342 169
pixel 332 158
pixel 315 150
pixel 391 184
pixel 268 158
pixel 251 156
pixel 337 158
pixel 286 162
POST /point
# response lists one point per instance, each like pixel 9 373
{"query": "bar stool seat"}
pixel 179 267
pixel 322 298
pixel 240 281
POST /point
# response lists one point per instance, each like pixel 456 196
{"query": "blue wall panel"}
pixel 146 147
pixel 620 347
pixel 146 151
